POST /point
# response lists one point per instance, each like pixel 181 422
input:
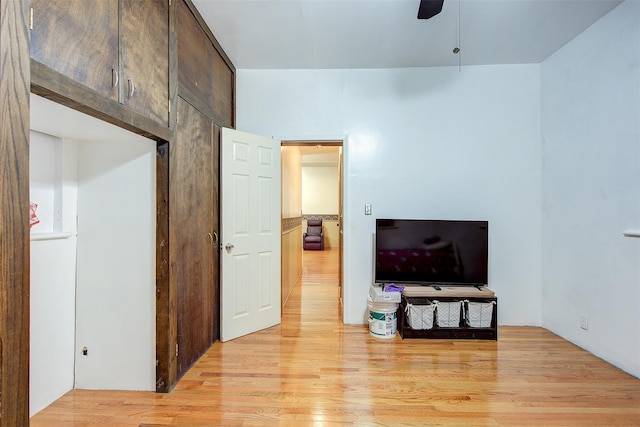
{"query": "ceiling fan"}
pixel 429 8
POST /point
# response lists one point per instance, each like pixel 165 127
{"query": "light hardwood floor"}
pixel 313 370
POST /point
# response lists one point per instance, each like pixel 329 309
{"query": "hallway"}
pixel 316 297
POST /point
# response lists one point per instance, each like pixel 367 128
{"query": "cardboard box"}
pixel 378 295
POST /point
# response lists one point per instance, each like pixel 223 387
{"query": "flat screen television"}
pixel 431 252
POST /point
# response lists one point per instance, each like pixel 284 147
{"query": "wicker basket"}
pixel 448 314
pixel 480 314
pixel 420 316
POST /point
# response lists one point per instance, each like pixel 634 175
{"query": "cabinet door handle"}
pixel 213 237
pixel 115 78
pixel 132 88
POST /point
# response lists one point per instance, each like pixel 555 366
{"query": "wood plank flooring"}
pixel 314 371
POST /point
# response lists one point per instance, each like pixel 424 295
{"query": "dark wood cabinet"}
pixel 195 56
pixel 79 39
pixel 145 51
pixel 223 91
pixel 204 71
pixel 118 48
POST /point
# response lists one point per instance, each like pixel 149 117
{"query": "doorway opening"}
pixel 312 189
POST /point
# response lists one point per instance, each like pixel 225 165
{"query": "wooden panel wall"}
pixel 291 263
pixel 166 317
pixel 166 327
pixel 14 213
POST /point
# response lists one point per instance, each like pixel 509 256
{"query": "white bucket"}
pixel 383 321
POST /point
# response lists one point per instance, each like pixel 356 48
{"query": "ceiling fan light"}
pixel 429 8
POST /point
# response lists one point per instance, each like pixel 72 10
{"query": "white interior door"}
pixel 250 233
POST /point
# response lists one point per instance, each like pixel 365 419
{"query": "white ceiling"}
pixel 317 34
pixel 320 155
pixel 55 119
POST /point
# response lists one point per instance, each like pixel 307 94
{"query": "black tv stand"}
pixel 448 294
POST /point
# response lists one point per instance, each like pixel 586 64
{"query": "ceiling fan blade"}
pixel 429 8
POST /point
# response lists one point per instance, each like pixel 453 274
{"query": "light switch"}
pixel 367 209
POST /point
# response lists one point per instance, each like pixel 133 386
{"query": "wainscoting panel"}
pixel 291 255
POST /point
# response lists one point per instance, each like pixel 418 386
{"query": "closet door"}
pixel 193 233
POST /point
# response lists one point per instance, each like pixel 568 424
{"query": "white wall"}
pixel 422 143
pixel 320 190
pixel 53 185
pixel 591 188
pixel 116 265
pixel 108 189
pixel 45 159
pixel 102 178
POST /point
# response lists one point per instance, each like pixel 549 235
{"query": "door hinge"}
pixel 176 349
pixel 31 18
pixel 177 118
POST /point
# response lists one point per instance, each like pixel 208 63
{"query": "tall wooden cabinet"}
pixel 193 234
pixel 206 88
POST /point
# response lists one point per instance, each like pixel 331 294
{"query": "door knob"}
pixel 228 246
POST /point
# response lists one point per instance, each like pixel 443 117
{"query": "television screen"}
pixel 431 252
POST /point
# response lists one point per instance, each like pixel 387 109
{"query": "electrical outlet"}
pixel 584 324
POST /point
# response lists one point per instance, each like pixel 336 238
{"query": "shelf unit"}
pixel 50 236
pixel 463 331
